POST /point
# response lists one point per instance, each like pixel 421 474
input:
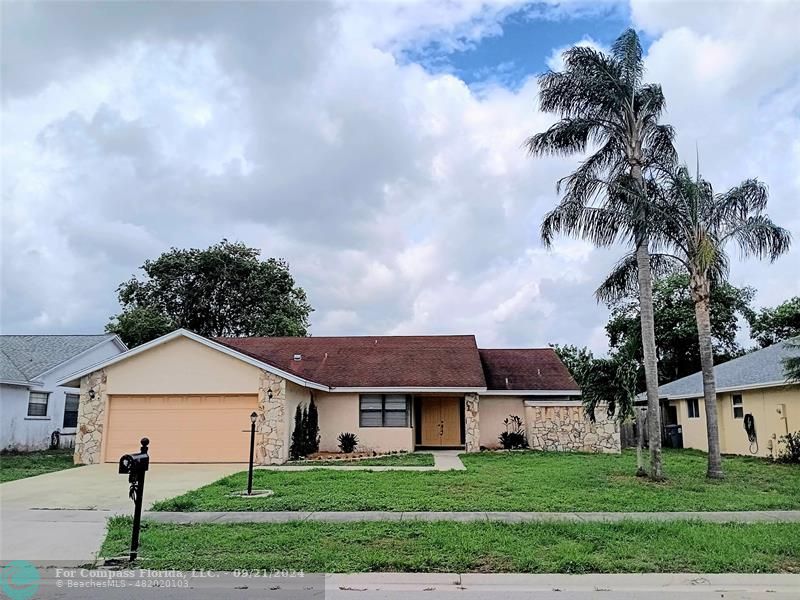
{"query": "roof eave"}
pixel 407 389
pixel 202 340
pixel 724 390
pixel 533 392
pixel 116 339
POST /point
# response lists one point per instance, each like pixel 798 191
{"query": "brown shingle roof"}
pixel 526 369
pixel 371 361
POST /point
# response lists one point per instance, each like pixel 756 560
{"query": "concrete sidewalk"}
pixel 213 585
pixel 787 516
pixel 443 460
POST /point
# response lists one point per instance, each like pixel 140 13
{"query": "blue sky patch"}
pixel 527 40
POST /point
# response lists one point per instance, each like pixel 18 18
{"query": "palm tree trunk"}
pixel 640 472
pixel 650 358
pixel 703 317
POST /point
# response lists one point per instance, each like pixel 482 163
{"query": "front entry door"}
pixel 441 422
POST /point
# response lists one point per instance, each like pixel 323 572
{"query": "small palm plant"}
pixel 694 227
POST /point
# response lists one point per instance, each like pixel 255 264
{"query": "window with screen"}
pixel 37 404
pixel 384 410
pixel 694 408
pixel 738 407
pixel 71 410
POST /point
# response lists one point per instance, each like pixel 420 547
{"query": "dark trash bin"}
pixel 674 436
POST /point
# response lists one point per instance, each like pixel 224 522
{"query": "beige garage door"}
pixel 187 429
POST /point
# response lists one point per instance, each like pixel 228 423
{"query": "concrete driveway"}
pixel 60 518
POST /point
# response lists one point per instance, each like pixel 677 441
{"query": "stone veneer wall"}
pixel 271 424
pixel 472 437
pixel 91 414
pixel 569 428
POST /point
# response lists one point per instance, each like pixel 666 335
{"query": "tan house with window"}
pixel 755 404
pixel 193 396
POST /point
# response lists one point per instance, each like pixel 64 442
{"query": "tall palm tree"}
pixel 695 225
pixel 603 104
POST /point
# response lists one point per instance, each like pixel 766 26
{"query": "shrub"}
pixel 296 449
pixel 347 442
pixel 312 429
pixel 791 450
pixel 514 435
pixel 305 437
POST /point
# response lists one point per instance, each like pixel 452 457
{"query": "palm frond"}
pixel 565 137
pixel 760 237
pixel 627 50
pixel 623 280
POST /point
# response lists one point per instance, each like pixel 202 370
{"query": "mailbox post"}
pixel 253 418
pixel 135 466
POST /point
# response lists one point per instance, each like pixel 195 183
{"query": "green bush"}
pixel 791 450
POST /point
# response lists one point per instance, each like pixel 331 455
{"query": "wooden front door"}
pixel 441 422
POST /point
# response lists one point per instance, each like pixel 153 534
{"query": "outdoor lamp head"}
pixel 269 393
pixel 253 417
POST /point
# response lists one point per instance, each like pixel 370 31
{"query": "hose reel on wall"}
pixel 750 428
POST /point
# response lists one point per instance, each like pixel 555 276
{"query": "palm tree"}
pixel 602 103
pixel 695 226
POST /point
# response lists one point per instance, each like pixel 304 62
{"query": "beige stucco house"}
pixel 193 396
pixel 753 384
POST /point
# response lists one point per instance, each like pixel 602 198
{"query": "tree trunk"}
pixel 640 471
pixel 645 278
pixel 703 316
pixel 650 358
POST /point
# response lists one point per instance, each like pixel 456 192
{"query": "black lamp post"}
pixel 253 417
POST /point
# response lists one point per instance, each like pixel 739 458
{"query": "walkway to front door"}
pixel 441 421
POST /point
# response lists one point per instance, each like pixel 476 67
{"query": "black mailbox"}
pixel 133 464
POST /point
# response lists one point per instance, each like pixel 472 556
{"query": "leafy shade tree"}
pixel 695 226
pixel 676 325
pixel 603 104
pixel 791 365
pixel 771 325
pixel 139 325
pixel 224 290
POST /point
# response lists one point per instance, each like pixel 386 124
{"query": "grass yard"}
pixel 411 459
pixel 518 481
pixel 27 464
pixel 465 547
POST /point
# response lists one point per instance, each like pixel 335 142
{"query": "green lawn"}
pixel 412 459
pixel 519 481
pixel 18 466
pixel 466 547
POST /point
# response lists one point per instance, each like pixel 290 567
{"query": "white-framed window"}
pixel 738 406
pixel 693 405
pixel 37 404
pixel 71 402
pixel 384 410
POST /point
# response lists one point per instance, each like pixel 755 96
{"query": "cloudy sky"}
pixel 375 146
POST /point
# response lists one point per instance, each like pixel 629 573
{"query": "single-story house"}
pixel 32 403
pixel 193 396
pixel 753 384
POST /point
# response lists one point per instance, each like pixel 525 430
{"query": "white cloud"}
pixel 402 199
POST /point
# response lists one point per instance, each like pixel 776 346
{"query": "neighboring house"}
pixel 193 396
pixel 753 384
pixel 32 403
